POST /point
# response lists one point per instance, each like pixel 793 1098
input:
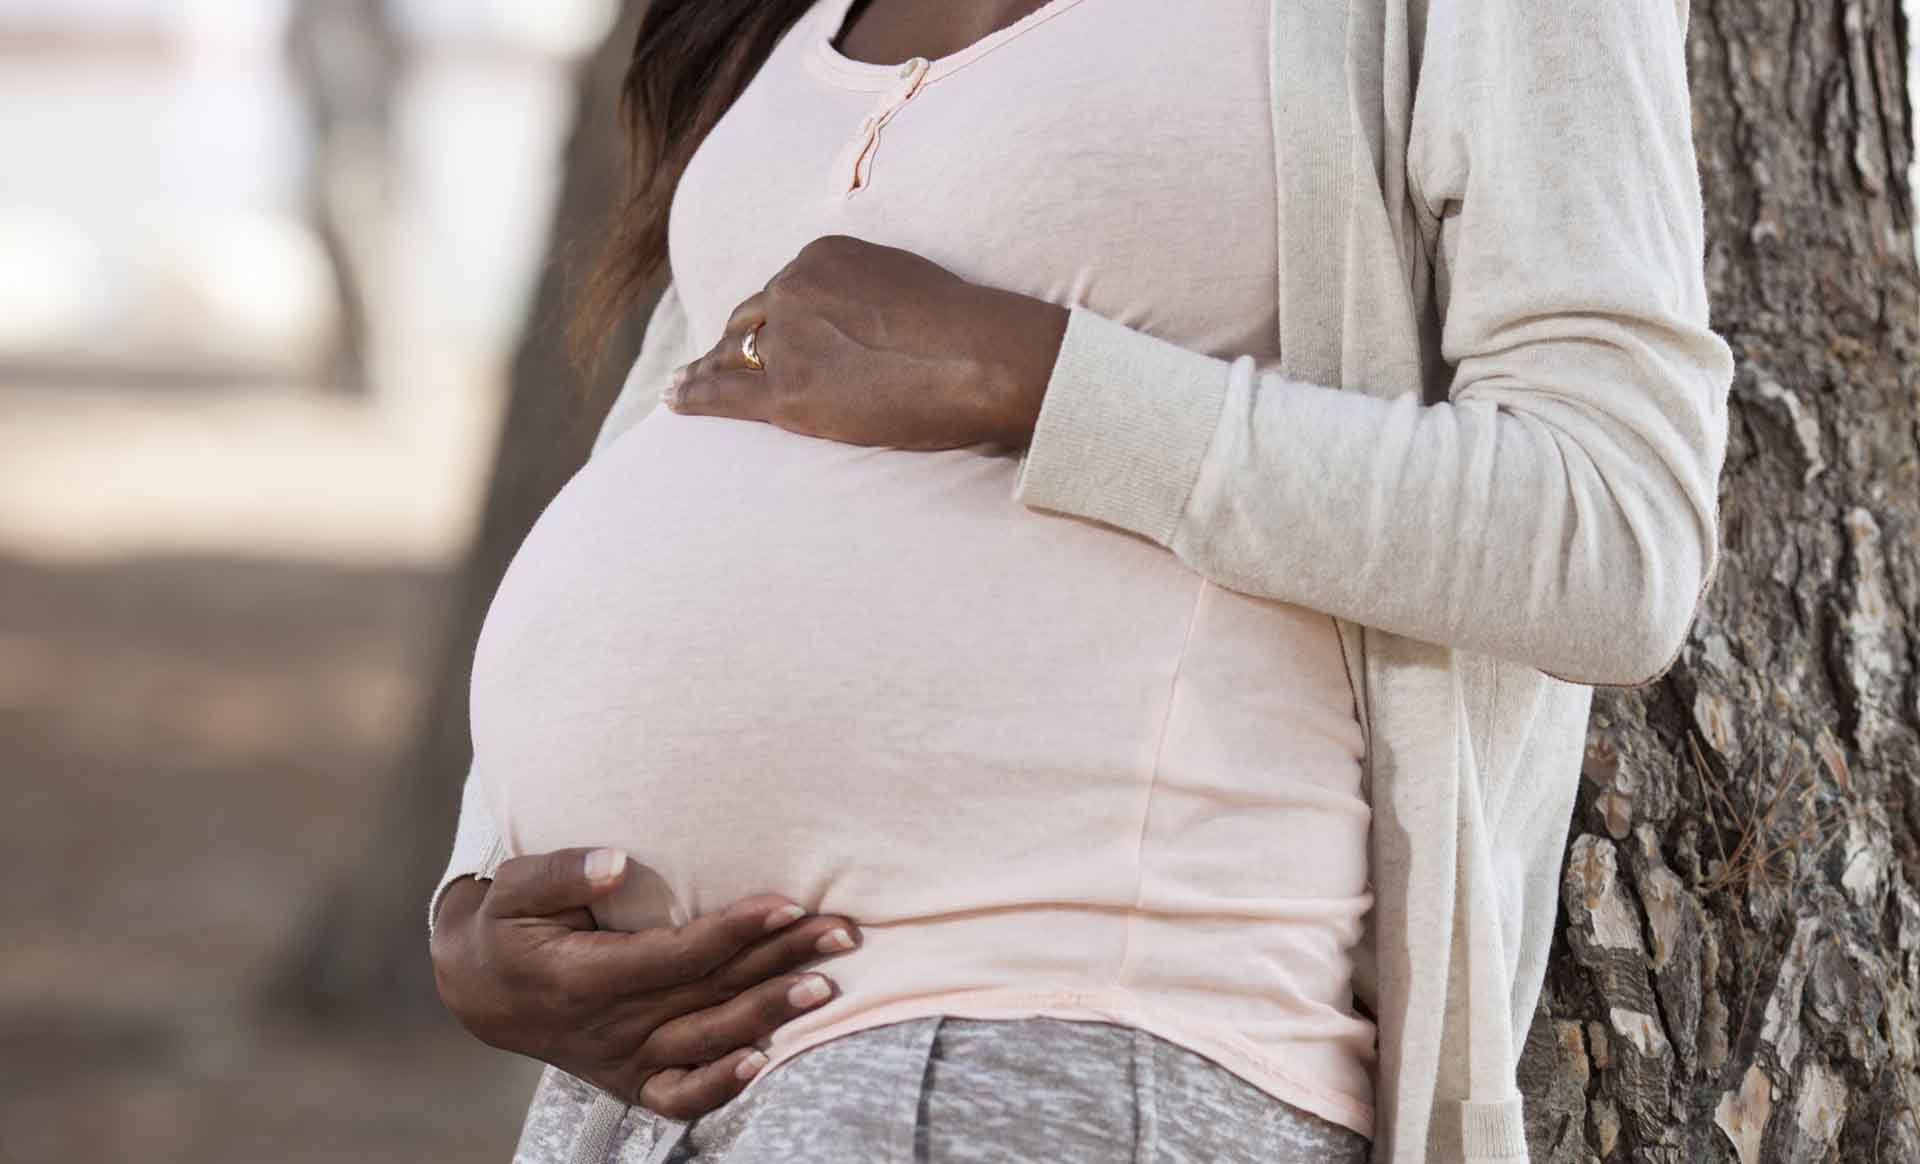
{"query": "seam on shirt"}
pixel 1495 760
pixel 1153 782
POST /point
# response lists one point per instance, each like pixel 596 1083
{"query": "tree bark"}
pixel 1736 975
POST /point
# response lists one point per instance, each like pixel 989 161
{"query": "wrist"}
pixel 452 954
pixel 458 902
pixel 1026 345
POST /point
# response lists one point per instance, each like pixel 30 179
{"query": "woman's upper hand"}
pixel 659 1017
pixel 875 345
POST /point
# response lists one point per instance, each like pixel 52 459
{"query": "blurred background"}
pixel 280 392
pixel 275 277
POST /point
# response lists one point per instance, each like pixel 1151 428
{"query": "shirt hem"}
pixel 1229 1050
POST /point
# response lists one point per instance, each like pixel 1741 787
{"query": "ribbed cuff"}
pixel 478 847
pixel 482 871
pixel 1493 1131
pixel 1123 428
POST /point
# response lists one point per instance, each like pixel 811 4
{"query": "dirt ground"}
pixel 188 749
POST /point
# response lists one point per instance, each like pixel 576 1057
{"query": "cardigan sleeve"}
pixel 1560 508
pixel 478 847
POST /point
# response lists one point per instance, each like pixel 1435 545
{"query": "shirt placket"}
pixel 853 170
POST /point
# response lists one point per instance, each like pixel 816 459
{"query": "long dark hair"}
pixel 691 59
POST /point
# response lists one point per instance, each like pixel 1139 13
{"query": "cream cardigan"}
pixel 1492 452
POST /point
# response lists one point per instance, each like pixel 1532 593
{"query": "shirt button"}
pixel 907 69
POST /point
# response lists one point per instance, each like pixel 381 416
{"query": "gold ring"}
pixel 749 349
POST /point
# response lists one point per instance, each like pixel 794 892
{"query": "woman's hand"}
pixel 874 345
pixel 659 1017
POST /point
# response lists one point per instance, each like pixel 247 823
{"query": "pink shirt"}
pixel 1047 767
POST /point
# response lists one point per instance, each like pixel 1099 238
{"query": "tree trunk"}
pixel 366 948
pixel 1737 973
pixel 343 53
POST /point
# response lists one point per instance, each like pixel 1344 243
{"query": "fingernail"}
pixel 837 939
pixel 750 1066
pixel 810 990
pixel 603 864
pixel 785 915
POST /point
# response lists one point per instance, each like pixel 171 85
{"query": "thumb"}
pixel 545 884
pixel 736 393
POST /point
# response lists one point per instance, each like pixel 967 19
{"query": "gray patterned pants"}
pixel 950 1090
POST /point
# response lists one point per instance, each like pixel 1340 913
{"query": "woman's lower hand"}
pixel 875 345
pixel 659 1017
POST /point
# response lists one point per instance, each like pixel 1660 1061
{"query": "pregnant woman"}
pixel 1116 522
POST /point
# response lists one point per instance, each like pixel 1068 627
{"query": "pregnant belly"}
pixel 765 662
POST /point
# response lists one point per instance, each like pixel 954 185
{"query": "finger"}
pixel 783 953
pixel 603 966
pixel 550 883
pixel 750 311
pixel 688 1093
pixel 617 964
pixel 738 394
pixel 727 354
pixel 704 1035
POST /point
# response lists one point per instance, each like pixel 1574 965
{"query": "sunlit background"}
pixel 266 272
pixel 264 269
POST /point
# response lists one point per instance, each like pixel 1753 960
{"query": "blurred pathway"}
pixel 190 745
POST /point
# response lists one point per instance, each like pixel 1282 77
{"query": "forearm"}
pixel 1560 506
pixel 1026 336
pixel 1544 534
